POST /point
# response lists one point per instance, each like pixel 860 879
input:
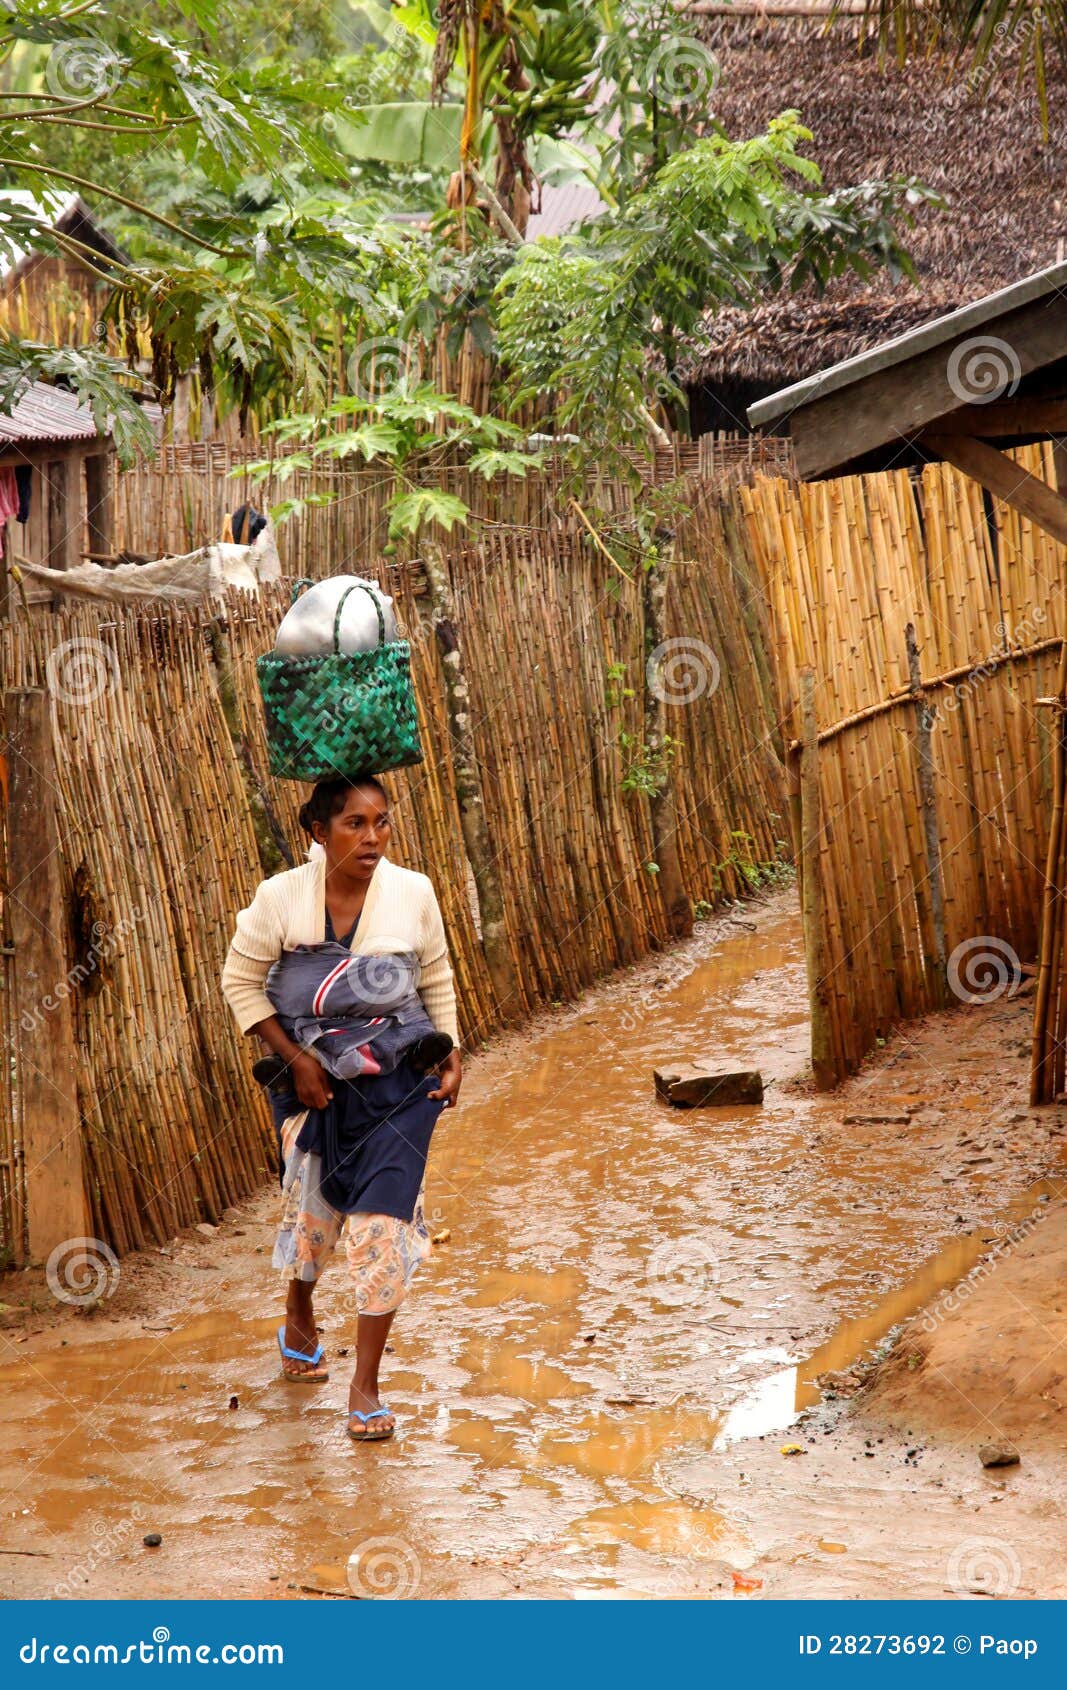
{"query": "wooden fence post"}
pixel 812 911
pixel 476 842
pixel 1042 1071
pixel 662 810
pixel 46 1056
pixel 928 801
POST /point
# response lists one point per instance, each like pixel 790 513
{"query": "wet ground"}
pixel 596 1377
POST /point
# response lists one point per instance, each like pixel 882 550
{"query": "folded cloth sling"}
pixel 358 1013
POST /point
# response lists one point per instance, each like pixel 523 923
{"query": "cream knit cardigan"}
pixel 400 913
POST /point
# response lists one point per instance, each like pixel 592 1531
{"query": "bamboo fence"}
pixel 920 785
pixel 177 501
pixel 158 849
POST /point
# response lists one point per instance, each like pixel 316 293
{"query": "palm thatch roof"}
pixel 980 146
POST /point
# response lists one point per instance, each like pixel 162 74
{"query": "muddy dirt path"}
pixel 595 1377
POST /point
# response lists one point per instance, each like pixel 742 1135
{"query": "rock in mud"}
pixel 998 1455
pixel 695 1086
pixel 152 1540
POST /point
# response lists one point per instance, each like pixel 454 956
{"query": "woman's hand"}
pixel 310 1081
pixel 451 1072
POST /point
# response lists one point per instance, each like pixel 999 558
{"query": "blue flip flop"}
pixel 365 1436
pixel 318 1378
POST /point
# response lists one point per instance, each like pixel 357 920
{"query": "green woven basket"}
pixel 341 713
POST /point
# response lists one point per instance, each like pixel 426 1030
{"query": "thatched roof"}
pixel 1006 217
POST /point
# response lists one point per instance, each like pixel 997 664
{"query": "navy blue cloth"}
pixel 373 1138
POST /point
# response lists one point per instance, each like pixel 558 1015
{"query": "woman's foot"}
pixel 300 1331
pixel 365 1400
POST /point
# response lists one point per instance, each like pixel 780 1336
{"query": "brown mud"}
pixel 596 1377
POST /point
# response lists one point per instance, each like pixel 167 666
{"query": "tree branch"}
pixel 120 199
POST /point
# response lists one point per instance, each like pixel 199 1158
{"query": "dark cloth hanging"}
pixel 24 489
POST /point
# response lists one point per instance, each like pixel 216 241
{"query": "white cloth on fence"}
pixel 191 579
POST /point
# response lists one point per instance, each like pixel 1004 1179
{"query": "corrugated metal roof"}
pixel 562 208
pixel 47 413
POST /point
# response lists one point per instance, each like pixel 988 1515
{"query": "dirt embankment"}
pixel 986 1361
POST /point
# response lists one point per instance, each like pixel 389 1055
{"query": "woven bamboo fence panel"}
pixel 158 848
pixel 178 501
pixel 847 566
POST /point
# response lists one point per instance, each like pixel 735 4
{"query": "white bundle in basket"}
pixel 307 628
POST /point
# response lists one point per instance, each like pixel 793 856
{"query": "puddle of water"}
pixel 659 1528
pixel 609 1447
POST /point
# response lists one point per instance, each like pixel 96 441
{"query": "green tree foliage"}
pixel 720 223
pixel 226 288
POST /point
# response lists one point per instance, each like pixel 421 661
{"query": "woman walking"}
pixel 354 1149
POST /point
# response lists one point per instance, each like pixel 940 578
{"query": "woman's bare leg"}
pixel 371 1333
pixel 300 1333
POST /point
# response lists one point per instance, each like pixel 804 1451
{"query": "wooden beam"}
pixel 1004 479
pixel 894 403
pixel 45 1056
pixel 1007 418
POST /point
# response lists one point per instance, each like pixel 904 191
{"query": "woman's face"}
pixel 357 836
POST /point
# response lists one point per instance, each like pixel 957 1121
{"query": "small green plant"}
pixel 616 693
pixel 412 429
pixel 646 770
pixel 757 873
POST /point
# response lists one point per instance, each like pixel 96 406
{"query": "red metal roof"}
pixel 42 412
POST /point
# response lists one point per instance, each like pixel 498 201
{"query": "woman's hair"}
pixel 330 796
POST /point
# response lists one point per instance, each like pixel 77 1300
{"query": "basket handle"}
pixel 340 607
pixel 304 581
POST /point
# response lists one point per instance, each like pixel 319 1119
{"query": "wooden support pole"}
pixel 1052 907
pixel 812 911
pixel 1005 479
pixel 64 516
pixel 924 719
pixel 46 1057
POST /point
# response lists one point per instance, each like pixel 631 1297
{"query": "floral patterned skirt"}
pixel 384 1253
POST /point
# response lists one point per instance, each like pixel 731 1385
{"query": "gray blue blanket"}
pixel 357 1013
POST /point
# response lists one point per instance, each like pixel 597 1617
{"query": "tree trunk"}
pixel 469 795
pixel 271 843
pixel 813 912
pixel 676 904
